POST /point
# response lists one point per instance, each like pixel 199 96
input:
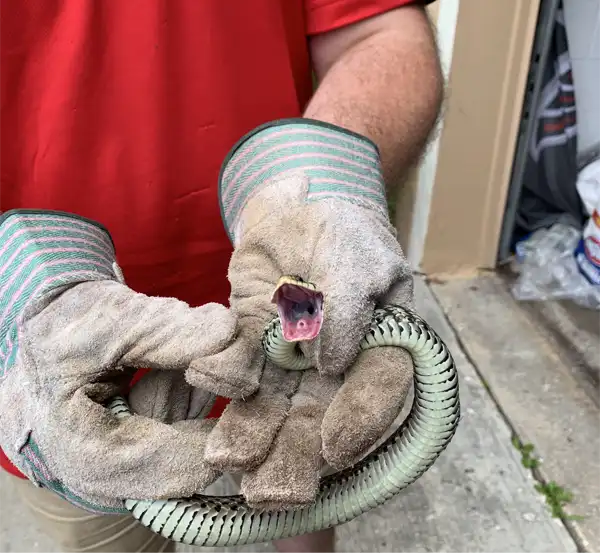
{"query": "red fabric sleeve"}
pixel 326 15
pixel 9 467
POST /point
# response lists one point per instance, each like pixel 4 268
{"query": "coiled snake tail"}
pixel 214 521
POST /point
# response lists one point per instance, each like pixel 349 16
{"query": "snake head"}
pixel 300 308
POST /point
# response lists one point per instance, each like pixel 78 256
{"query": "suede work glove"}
pixel 306 199
pixel 71 334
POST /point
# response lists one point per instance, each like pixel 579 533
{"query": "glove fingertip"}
pixel 264 490
pixel 338 448
pixel 219 328
pixel 233 373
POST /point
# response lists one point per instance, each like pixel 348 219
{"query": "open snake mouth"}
pixel 300 308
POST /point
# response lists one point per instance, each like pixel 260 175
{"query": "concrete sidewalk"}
pixel 515 390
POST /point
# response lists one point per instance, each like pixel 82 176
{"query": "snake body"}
pixel 217 521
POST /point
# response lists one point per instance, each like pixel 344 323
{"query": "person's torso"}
pixel 123 110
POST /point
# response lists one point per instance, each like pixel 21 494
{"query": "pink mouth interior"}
pixel 300 311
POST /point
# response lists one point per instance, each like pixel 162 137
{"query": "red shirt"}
pixel 123 110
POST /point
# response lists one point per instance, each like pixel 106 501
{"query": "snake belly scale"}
pixel 217 521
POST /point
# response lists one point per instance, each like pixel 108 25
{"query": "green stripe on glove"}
pixel 339 164
pixel 40 253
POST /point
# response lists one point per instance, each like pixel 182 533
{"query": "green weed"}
pixel 556 496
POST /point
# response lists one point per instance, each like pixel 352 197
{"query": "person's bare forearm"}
pixel 381 78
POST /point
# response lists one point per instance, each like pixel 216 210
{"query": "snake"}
pixel 220 521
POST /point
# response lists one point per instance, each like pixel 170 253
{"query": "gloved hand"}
pixel 274 437
pixel 307 199
pixel 71 334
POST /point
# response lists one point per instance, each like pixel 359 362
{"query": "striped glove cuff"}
pixel 41 251
pixel 339 164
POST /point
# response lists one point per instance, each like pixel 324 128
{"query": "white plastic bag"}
pixel 549 268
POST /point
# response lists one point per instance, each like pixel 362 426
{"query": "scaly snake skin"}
pixel 217 521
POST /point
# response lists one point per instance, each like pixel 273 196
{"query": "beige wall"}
pixel 461 214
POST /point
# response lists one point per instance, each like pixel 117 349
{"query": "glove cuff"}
pixel 41 251
pixel 339 164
